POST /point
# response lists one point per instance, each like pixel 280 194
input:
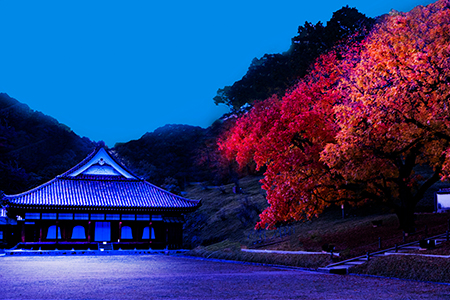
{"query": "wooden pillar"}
pixel 66 232
pixel 167 237
pixel 149 234
pixel 89 231
pixel 136 231
pixel 120 231
pixel 22 233
pixel 56 238
pixel 40 231
pixel 62 229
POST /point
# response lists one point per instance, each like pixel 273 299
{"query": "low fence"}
pixel 262 238
pixel 405 238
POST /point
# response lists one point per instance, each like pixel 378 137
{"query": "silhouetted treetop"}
pixel 275 73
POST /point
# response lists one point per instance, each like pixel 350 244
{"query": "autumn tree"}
pixel 358 125
pixel 395 115
pixel 287 136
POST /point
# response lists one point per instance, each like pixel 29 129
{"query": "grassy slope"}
pixel 223 214
pixel 224 224
pixel 408 267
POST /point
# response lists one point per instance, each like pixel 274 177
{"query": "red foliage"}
pixel 357 125
pixel 287 137
pixel 396 111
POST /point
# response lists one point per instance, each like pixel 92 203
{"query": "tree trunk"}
pixel 406 202
pixel 405 215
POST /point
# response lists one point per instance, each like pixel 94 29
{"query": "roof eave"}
pixel 102 208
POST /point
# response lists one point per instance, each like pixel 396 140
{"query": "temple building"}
pixel 99 203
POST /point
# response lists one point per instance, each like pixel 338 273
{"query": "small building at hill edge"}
pixel 99 203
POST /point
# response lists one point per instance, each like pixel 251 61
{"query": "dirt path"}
pixel 164 277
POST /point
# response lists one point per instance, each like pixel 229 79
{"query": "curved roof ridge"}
pixel 99 178
pixel 165 191
pixel 91 156
pixel 122 165
pixel 82 163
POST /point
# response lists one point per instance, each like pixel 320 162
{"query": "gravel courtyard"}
pixel 166 277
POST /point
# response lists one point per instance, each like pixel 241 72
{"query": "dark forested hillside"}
pixel 176 154
pixel 34 147
pixel 166 153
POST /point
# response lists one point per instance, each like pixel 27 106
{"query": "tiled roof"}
pixel 101 193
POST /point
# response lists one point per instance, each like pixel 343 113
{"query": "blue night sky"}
pixel 114 70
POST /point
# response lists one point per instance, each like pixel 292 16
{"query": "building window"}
pixel 126 233
pixel 1 235
pixel 143 217
pixel 81 216
pixel 65 216
pixel 51 233
pixel 78 233
pixel 2 212
pixel 97 216
pixel 128 217
pixel 32 216
pixel 157 218
pixel 146 233
pixel 112 217
pixel 48 216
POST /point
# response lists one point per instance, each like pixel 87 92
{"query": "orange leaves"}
pixel 358 124
pixel 287 137
pixel 402 76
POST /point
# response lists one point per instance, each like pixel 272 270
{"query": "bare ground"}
pixel 166 277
